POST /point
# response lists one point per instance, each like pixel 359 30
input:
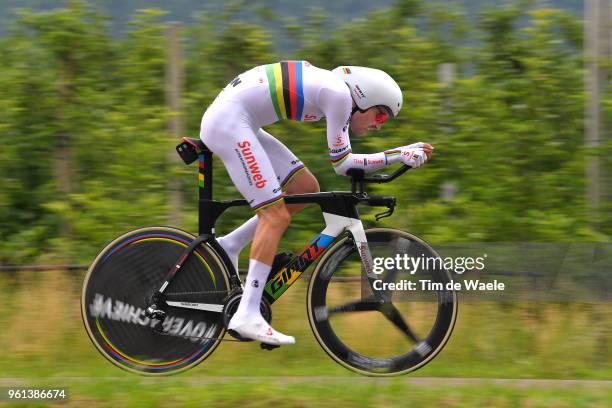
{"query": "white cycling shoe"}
pixel 258 329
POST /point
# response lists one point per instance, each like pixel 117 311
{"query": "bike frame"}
pixel 339 213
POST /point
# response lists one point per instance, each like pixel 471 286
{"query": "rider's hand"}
pixel 415 155
pixel 425 146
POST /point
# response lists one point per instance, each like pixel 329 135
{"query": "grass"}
pixel 333 393
pixel 44 343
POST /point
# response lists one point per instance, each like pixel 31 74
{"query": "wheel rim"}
pixel 353 343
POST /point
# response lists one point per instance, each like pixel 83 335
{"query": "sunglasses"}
pixel 381 117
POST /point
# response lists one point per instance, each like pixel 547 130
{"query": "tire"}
pixel 366 340
pixel 115 289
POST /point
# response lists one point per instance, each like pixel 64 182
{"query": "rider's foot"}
pixel 258 329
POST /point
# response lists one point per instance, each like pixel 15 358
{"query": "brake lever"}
pixel 387 213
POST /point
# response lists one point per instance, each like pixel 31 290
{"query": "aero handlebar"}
pixel 358 177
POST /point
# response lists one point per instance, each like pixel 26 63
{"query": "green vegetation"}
pixel 491 339
pixel 86 153
pixel 47 345
pixel 308 392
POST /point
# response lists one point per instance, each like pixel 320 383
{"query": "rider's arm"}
pixel 368 162
pixel 337 106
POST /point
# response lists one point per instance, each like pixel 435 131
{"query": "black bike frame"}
pixel 339 211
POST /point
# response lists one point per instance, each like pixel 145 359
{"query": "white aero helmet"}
pixel 371 87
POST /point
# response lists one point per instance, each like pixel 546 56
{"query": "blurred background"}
pixel 515 96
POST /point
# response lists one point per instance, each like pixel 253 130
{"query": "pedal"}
pixel 269 347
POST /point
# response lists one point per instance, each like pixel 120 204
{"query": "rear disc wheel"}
pixel 115 292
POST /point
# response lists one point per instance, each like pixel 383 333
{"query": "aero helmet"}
pixel 371 87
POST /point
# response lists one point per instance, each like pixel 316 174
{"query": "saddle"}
pixel 190 148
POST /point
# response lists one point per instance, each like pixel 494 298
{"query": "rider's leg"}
pixel 303 181
pixel 227 131
pixel 293 177
pixel 247 320
pixel 235 241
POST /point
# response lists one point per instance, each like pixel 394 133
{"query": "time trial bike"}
pixel 157 300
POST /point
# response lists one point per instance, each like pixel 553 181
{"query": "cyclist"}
pixel 264 170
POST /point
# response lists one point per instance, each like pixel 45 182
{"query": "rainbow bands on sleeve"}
pixel 285 82
pixel 391 154
pixel 338 159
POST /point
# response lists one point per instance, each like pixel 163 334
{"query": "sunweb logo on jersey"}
pixel 249 164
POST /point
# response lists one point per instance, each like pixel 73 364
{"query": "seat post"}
pixel 205 190
pixel 205 173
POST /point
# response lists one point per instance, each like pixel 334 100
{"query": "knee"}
pixel 304 182
pixel 313 185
